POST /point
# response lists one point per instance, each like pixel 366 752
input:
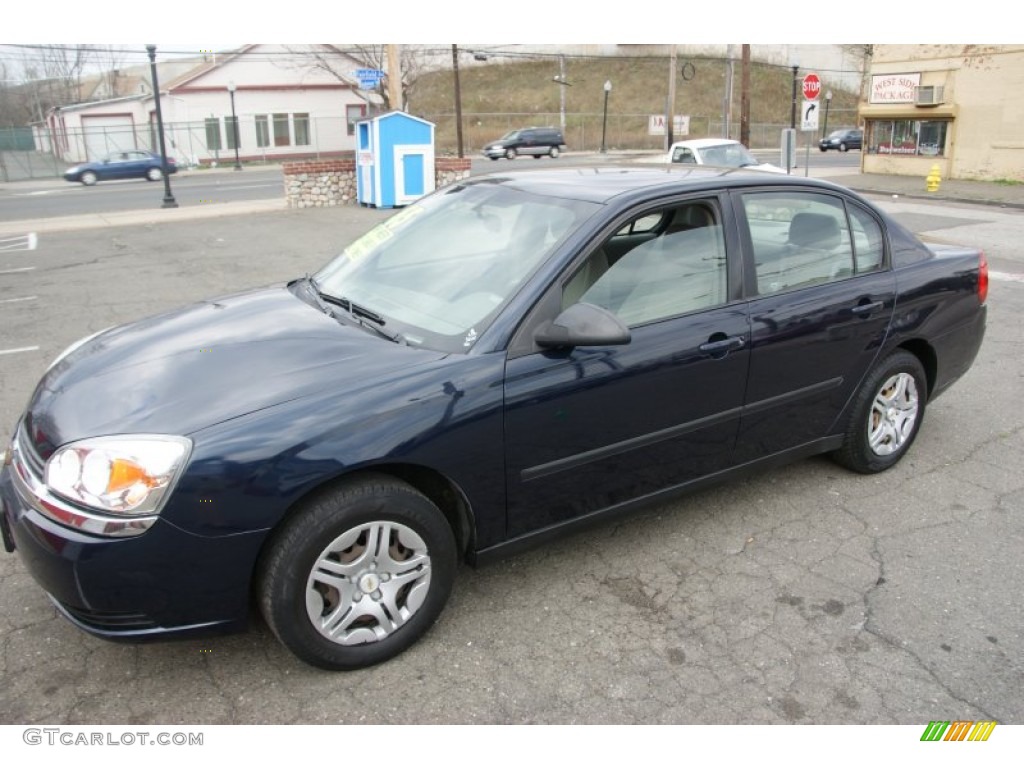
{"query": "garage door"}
pixel 107 133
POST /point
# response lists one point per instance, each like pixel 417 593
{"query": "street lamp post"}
pixel 604 121
pixel 234 123
pixel 169 201
pixel 828 101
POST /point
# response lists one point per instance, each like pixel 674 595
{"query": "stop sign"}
pixel 812 87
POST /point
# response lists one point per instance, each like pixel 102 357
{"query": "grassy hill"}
pixel 501 96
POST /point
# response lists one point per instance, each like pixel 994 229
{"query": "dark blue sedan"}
pixel 133 164
pixel 509 359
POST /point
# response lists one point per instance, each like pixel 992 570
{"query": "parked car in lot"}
pixel 724 153
pixel 133 164
pixel 536 142
pixel 511 358
pixel 844 140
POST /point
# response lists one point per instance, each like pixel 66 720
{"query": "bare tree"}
pixel 338 61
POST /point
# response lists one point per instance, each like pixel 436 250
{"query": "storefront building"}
pixel 960 107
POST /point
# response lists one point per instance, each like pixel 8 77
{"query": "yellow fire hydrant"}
pixel 933 179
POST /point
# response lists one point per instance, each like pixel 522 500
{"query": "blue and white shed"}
pixel 395 155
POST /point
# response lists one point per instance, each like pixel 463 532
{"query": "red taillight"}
pixel 982 277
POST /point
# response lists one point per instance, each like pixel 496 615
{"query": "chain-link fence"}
pixel 24 155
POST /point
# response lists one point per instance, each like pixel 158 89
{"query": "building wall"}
pixel 983 101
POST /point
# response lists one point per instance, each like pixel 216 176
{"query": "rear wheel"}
pixel 553 152
pixel 358 575
pixel 886 415
pixel 154 174
pixel 843 147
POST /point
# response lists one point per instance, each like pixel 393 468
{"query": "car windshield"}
pixel 729 155
pixel 837 134
pixel 437 273
pixel 510 135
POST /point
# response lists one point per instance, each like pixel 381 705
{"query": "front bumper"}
pixel 494 152
pixel 163 582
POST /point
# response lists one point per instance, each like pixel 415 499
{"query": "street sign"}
pixel 656 125
pixel 369 78
pixel 809 116
pixel 812 87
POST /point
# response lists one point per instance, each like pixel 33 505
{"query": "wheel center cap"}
pixel 369 582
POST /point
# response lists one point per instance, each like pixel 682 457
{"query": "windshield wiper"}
pixel 355 311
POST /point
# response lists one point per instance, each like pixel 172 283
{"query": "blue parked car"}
pixel 133 164
pixel 510 358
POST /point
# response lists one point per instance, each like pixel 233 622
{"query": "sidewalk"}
pixel 950 190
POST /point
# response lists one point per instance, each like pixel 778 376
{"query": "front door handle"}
pixel 719 345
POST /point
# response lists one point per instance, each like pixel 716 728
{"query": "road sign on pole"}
pixel 809 116
pixel 812 86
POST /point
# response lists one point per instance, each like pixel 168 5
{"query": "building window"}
pixel 907 137
pixel 282 135
pixel 353 114
pixel 262 131
pixel 301 121
pixel 231 130
pixel 213 142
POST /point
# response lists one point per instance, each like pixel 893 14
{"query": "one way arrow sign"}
pixel 809 120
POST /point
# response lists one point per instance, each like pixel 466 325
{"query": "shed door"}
pixel 414 172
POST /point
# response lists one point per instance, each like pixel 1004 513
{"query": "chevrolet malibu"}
pixel 509 359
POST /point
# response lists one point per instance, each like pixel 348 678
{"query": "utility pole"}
pixel 394 77
pixel 727 99
pixel 745 97
pixel 670 104
pixel 561 92
pixel 458 99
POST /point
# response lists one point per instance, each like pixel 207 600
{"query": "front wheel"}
pixel 510 154
pixel 356 576
pixel 886 415
pixel 88 178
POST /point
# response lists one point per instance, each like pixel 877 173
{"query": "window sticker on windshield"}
pixel 361 247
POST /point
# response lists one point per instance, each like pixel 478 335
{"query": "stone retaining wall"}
pixel 326 183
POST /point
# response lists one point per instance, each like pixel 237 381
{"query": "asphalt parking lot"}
pixel 801 595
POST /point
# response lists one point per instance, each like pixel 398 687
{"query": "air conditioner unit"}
pixel 929 95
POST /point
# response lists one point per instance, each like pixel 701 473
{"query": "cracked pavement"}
pixel 801 595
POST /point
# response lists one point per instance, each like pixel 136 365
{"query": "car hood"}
pixel 191 368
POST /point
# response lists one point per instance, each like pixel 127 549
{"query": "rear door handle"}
pixel 866 309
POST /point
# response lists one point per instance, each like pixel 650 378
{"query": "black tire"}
pixel 298 603
pixel 154 174
pixel 510 154
pixel 885 415
pixel 553 152
pixel 823 149
pixel 88 178
pixel 494 157
pixel 843 147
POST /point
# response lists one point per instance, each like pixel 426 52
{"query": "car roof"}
pixel 701 143
pixel 601 184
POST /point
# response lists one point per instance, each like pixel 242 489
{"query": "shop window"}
pixel 231 130
pixel 907 137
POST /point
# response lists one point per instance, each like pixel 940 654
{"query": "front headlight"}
pixel 124 474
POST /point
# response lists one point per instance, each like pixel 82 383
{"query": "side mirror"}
pixel 582 325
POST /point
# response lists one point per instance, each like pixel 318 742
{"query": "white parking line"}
pixel 17 349
pixel 19 242
pixel 17 269
pixel 22 298
pixel 1006 277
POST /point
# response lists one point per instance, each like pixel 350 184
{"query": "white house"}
pixel 285 106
